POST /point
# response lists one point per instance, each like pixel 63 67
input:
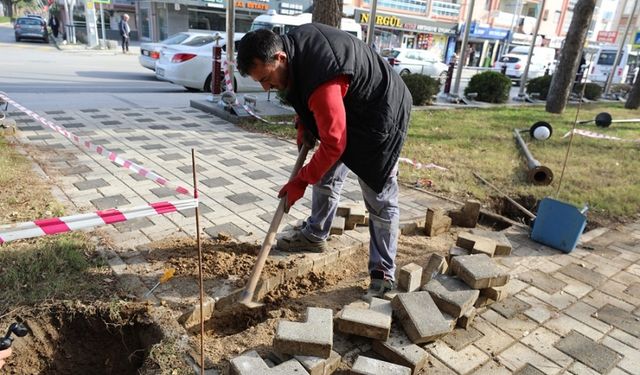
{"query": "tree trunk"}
pixel 633 101
pixel 566 69
pixel 328 12
pixel 8 7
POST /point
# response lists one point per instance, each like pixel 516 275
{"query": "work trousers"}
pixel 384 217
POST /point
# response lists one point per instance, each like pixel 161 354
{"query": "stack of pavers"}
pixel 428 305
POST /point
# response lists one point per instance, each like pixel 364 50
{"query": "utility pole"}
pixel 523 79
pixel 231 14
pixel 623 41
pixel 516 15
pixel 463 50
pixel 372 23
pixel 104 36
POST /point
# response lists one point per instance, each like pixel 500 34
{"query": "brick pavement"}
pixel 558 303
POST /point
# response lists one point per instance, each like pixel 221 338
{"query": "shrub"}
pixel 492 87
pixel 539 85
pixel 592 91
pixel 622 89
pixel 422 88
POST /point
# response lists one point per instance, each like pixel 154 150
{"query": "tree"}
pixel 567 67
pixel 328 12
pixel 633 101
pixel 12 7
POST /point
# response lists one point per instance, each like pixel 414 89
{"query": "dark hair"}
pixel 260 44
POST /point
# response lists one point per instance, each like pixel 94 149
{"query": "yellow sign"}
pixel 251 5
pixel 390 21
pixel 89 4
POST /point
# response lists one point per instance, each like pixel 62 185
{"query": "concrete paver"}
pixel 589 352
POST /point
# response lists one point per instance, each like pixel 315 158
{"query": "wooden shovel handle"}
pixel 250 288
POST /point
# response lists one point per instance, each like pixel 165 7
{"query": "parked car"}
pixel 516 64
pixel 31 28
pixel 189 65
pixel 150 52
pixel 411 61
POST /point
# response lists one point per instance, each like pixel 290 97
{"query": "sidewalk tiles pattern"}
pixel 576 313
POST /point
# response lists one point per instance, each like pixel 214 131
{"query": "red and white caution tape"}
pixel 43 227
pixel 418 165
pixel 112 156
pixel 590 134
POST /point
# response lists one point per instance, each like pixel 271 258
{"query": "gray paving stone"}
pixel 31 128
pixel 175 118
pixel 313 337
pixel 451 295
pixel 79 170
pixel 145 119
pixel 89 110
pixel 320 366
pixel 258 175
pixel 163 192
pixel 370 366
pixel 528 370
pixel 43 137
pixel 460 338
pixel 56 112
pixel 137 138
pixel 400 350
pixel 633 290
pixel 542 281
pixel 245 148
pixel 155 146
pixel 366 322
pixel 229 229
pixel 110 202
pixel 191 212
pixel 111 122
pixel 99 116
pixel 479 271
pixel 191 143
pixel 268 157
pixel 64 118
pixel 158 127
pixel 215 182
pixel 243 198
pixel 410 277
pixel 91 184
pixel 188 169
pixel 232 162
pixel 620 318
pixel 133 225
pixel 73 125
pixel 510 307
pixel 589 352
pixel 583 274
pixel 191 125
pixel 420 317
pixel 172 156
pixel 250 363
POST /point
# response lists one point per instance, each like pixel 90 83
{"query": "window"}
pixel 607 58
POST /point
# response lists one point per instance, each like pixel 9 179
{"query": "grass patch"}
pixel 600 173
pixel 36 270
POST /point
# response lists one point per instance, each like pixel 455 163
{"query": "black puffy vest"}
pixel 377 103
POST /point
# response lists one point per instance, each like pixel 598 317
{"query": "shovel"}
pixel 249 290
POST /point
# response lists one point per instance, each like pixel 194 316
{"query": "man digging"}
pixel 347 97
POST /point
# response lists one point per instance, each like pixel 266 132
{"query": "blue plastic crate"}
pixel 558 225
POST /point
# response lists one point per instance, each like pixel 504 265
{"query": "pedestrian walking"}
pixel 125 30
pixel 54 24
pixel 353 102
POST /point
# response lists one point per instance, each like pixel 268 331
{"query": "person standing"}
pixel 124 32
pixel 54 24
pixel 353 102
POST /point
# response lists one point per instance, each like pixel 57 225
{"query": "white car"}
pixel 416 61
pixel 515 67
pixel 150 52
pixel 189 65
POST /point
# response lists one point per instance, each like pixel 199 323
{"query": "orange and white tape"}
pixel 43 227
pixel 112 156
pixel 417 165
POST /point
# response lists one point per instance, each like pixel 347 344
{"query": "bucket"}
pixel 558 225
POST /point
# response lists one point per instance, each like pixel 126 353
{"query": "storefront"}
pixel 160 18
pixel 486 44
pixel 399 31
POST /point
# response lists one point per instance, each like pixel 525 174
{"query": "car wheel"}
pixel 46 40
pixel 404 72
pixel 207 84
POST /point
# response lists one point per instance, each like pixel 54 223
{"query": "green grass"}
pixel 600 173
pixel 5 19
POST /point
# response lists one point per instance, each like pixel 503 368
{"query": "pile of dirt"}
pixel 74 338
pixel 222 258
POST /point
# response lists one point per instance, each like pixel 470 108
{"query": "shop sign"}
pixel 215 3
pixel 607 36
pixel 403 23
pixel 252 5
pixel 482 32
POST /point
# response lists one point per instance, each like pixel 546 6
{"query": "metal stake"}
pixel 195 195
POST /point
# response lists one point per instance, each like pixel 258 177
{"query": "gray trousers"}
pixel 384 217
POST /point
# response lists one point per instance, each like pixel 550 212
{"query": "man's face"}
pixel 271 75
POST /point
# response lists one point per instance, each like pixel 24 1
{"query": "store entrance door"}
pixel 408 41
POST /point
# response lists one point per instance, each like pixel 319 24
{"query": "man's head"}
pixel 261 55
pixel 125 17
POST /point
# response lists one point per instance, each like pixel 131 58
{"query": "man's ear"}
pixel 280 56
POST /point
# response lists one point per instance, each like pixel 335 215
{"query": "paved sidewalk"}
pixel 576 313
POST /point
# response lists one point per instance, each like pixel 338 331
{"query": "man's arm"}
pixel 327 106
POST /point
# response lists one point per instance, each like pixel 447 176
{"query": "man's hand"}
pixel 4 354
pixel 293 190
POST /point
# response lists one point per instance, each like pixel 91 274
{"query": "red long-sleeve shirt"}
pixel 328 110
